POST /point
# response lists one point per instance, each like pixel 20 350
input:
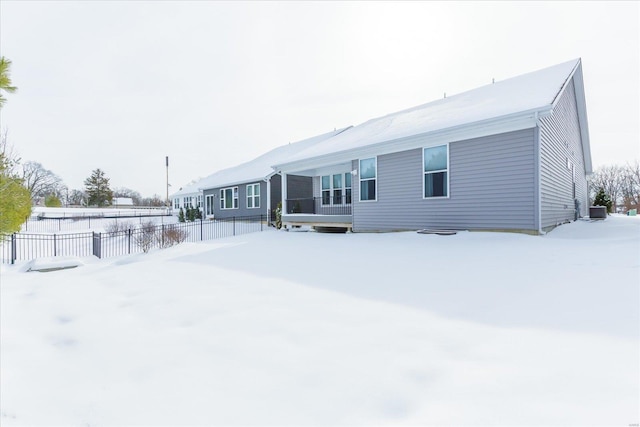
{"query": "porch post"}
pixel 268 201
pixel 284 193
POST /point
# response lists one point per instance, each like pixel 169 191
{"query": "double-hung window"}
pixel 176 203
pixel 436 171
pixel 326 190
pixel 336 189
pixel 368 176
pixel 229 198
pixel 253 196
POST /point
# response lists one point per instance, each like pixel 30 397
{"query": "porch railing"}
pixel 327 205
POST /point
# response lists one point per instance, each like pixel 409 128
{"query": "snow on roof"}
pixel 258 168
pixel 529 92
pixel 190 188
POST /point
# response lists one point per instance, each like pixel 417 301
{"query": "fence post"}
pixel 234 225
pixel 97 244
pixel 162 236
pixel 261 219
pixel 201 234
pixel 14 254
pixel 129 239
pixel 54 245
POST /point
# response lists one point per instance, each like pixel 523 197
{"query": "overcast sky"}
pixel 121 85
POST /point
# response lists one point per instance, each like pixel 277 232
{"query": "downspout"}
pixel 538 152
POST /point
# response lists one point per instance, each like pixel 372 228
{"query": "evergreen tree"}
pixel 97 189
pixel 181 215
pixel 198 213
pixel 191 214
pixel 15 199
pixel 602 199
pixel 5 79
pixel 15 204
pixel 52 201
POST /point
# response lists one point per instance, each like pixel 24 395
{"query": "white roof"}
pixel 535 91
pixel 258 168
pixel 189 189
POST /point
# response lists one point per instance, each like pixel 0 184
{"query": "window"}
pixel 326 190
pixel 436 166
pixel 336 189
pixel 209 204
pixel 229 198
pixel 253 196
pixel 199 200
pixel 368 175
pixel 176 203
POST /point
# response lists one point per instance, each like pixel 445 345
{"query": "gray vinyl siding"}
pixel 560 140
pixel 492 186
pixel 242 201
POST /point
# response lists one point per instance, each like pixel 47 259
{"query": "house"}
pixel 188 197
pixel 511 156
pixel 254 188
pixel 122 202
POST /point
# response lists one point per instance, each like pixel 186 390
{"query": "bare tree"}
pixel 155 201
pixel 126 192
pixel 608 178
pixel 41 182
pixel 77 197
pixel 9 160
pixel 630 186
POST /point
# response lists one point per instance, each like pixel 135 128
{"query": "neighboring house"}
pixel 188 196
pixel 254 188
pixel 512 155
pixel 122 202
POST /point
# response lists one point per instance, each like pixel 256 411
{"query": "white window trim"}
pixel 209 205
pixel 234 198
pixel 254 197
pixel 448 171
pixel 375 158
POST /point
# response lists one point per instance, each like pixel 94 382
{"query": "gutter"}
pixel 520 120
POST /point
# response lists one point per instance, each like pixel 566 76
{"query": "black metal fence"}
pixel 326 205
pixel 27 246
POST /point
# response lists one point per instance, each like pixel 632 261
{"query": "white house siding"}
pixel 560 140
pixel 492 186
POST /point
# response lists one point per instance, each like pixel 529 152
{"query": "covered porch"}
pixel 330 204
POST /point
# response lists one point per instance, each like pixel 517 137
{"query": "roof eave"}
pixel 502 124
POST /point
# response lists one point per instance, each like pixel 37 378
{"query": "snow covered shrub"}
pixel 117 226
pixel 279 216
pixel 145 236
pixel 171 235
pixel 181 215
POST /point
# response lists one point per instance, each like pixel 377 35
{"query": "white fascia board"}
pixel 236 183
pixel 581 104
pixel 523 120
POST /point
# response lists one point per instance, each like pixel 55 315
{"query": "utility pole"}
pixel 167 162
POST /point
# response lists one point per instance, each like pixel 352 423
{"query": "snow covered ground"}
pixel 303 328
